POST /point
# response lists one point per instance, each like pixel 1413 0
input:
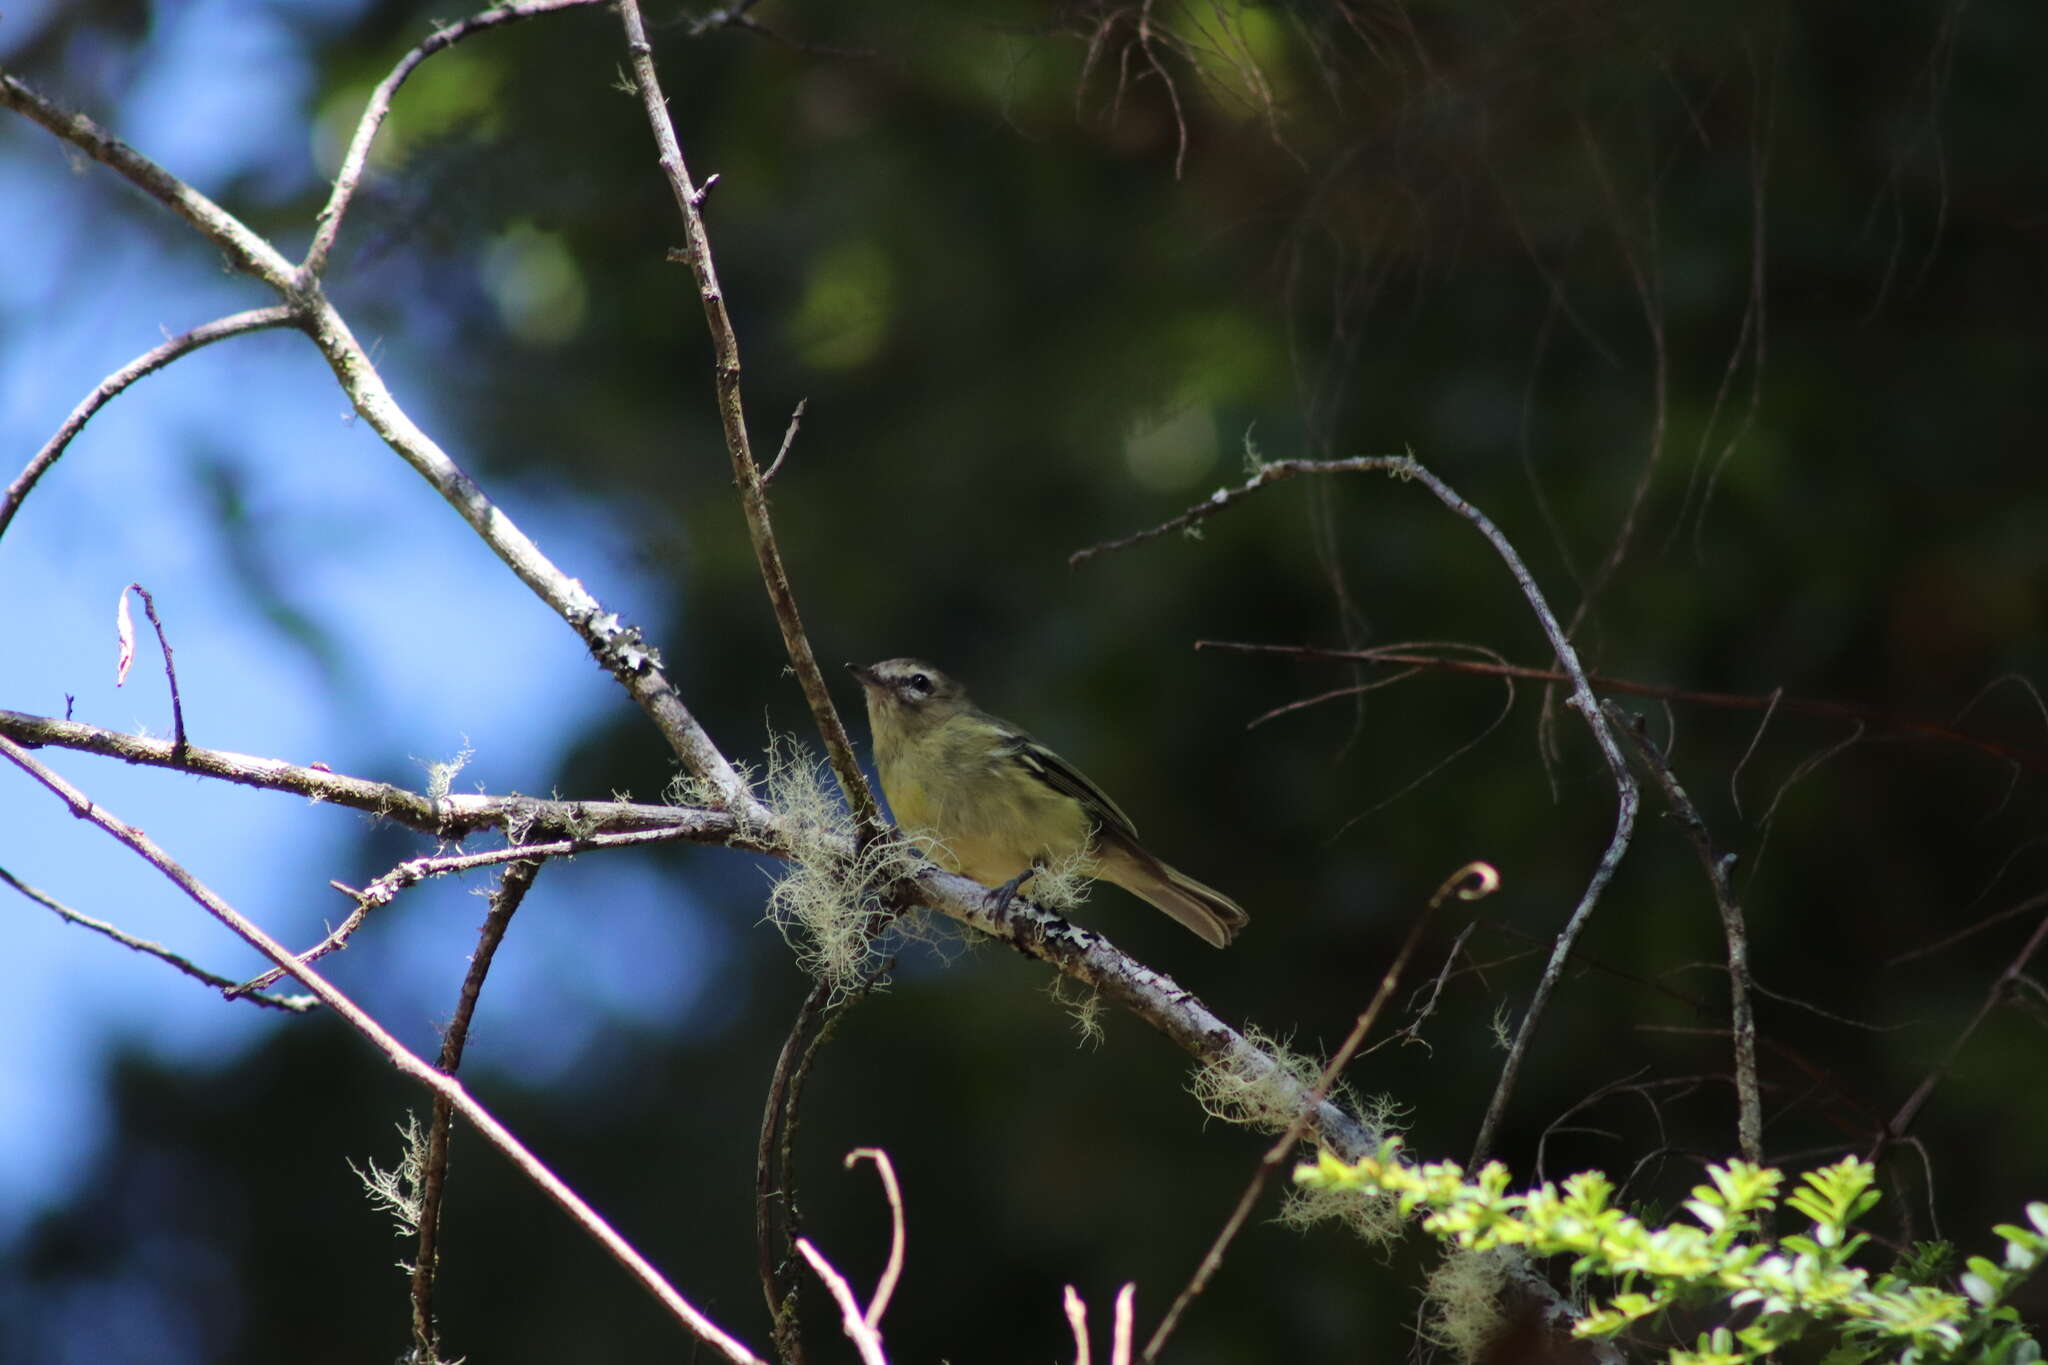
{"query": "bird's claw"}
pixel 999 907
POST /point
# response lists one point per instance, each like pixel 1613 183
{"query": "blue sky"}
pixel 434 647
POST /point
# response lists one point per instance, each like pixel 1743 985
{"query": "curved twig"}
pixel 149 362
pixel 357 157
pixel 885 1288
pixel 505 901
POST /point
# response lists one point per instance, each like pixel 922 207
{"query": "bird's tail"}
pixel 1202 909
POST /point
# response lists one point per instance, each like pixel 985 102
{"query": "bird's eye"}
pixel 921 684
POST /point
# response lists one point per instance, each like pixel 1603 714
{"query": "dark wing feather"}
pixel 1065 778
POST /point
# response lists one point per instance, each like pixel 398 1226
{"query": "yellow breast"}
pixel 987 815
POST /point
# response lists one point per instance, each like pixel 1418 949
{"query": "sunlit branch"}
pixel 448 817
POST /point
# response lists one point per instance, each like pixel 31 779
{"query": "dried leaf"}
pixel 124 629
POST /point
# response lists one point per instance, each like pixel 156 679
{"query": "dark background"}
pixel 1783 266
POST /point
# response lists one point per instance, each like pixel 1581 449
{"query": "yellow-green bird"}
pixel 997 804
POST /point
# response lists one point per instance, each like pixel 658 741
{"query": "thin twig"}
pixel 1471 882
pixel 774 1185
pixel 2034 902
pixel 885 1288
pixel 732 417
pixel 1272 472
pixel 1582 700
pixel 1749 1123
pixel 1077 1323
pixel 1735 774
pixel 1878 718
pixel 1412 1030
pixel 178 745
pixel 512 888
pixel 296 1004
pixel 357 158
pixel 411 872
pixel 865 1338
pixel 2006 981
pixel 399 1055
pixel 775 1154
pixel 149 362
pixel 1649 283
pixel 789 435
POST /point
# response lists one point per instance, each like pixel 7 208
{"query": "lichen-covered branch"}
pixel 448 817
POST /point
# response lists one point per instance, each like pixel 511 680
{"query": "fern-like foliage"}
pixel 1800 1287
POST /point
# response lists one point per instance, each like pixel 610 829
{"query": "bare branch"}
pixel 885 1288
pixel 1749 1124
pixel 2006 983
pixel 149 362
pixel 358 155
pixel 454 816
pixel 1077 1322
pixel 1582 700
pixel 512 889
pixel 732 416
pixel 775 1178
pixel 789 435
pixel 413 871
pixel 400 1056
pixel 178 745
pixel 248 251
pixel 1272 472
pixel 296 1004
pixel 617 645
pixel 1877 718
pixel 865 1338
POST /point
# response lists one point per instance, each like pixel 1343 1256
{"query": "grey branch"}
pixel 149 362
pixel 296 1004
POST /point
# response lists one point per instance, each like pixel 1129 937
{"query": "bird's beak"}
pixel 865 676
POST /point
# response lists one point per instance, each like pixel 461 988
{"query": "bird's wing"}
pixel 1064 777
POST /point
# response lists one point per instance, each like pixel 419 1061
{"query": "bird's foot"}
pixel 1007 892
